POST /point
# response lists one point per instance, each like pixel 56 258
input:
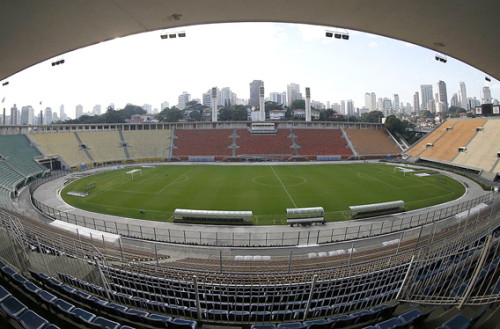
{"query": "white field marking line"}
pixel 172 182
pixel 368 177
pixel 283 186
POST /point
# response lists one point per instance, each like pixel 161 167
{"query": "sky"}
pixel 145 69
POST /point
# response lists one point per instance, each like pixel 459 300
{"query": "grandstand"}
pixel 372 142
pixel 103 146
pixel 203 142
pixel 279 144
pixel 63 144
pixel 429 139
pixel 148 144
pixel 445 148
pixel 321 142
pixel 469 144
pixel 482 150
pixel 17 151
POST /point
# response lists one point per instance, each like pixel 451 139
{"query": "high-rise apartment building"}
pixel 227 97
pixel 454 100
pixel 62 114
pixel 254 92
pixel 47 116
pixel 279 98
pixel 78 111
pixel 350 107
pixel 27 115
pixel 371 101
pixel 486 95
pixel 426 91
pixel 462 96
pixel 416 103
pixel 293 92
pixel 183 99
pixel 13 115
pixel 396 106
pixel 442 98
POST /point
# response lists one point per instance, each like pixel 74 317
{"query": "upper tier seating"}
pixel 372 142
pixel 18 152
pixel 446 147
pixel 482 149
pixel 321 142
pixel 274 144
pixel 63 144
pixel 203 142
pixel 430 138
pixel 148 144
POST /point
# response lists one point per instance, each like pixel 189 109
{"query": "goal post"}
pixel 133 173
pixel 404 170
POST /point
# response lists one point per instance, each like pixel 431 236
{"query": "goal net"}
pixel 133 173
pixel 404 170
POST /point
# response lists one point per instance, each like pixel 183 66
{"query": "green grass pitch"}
pixel 266 190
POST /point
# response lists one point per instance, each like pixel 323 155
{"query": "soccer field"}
pixel 267 190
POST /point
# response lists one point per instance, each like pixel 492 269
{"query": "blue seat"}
pixel 51 326
pixel 343 320
pixel 457 322
pixel 386 310
pixel 365 315
pixel 115 309
pixel 311 322
pixel 409 317
pixel 239 316
pixel 282 315
pixel 63 305
pixel 31 287
pixel 105 323
pixel 46 296
pixel 7 271
pixel 263 326
pixel 157 320
pixel 31 320
pixel 260 316
pixel 217 315
pixel 19 279
pixel 67 289
pixel 392 323
pixel 4 294
pixel 291 325
pixel 136 315
pixel 82 315
pixel 322 325
pixel 182 324
pixel 13 307
pixel 82 296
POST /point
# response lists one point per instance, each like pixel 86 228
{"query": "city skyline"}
pixel 143 69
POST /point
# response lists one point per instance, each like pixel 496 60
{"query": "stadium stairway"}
pixel 122 139
pixel 85 150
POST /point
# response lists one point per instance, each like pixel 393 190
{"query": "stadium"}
pixel 404 263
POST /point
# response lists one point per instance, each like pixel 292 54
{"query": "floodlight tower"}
pixel 308 104
pixel 262 110
pixel 214 104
